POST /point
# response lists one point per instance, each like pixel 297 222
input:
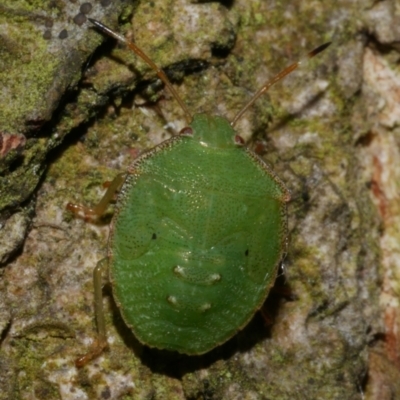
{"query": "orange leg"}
pixel 98 210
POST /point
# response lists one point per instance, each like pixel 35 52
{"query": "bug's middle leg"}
pixel 100 208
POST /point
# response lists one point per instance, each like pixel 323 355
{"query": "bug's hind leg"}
pixel 100 208
pixel 100 342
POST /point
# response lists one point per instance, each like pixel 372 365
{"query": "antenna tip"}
pixel 93 21
pixel 319 49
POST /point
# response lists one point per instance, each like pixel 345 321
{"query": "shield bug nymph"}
pixel 197 235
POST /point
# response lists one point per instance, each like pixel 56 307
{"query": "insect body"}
pixel 197 236
pixel 196 240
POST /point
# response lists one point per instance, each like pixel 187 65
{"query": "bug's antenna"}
pixel 276 79
pixel 160 73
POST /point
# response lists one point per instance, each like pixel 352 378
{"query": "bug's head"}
pixel 214 131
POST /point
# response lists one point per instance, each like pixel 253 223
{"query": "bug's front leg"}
pixel 101 341
pixel 99 209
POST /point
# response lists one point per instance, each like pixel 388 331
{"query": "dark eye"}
pixel 154 236
pixel 187 131
pixel 246 253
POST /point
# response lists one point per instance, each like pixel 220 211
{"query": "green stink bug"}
pixel 197 236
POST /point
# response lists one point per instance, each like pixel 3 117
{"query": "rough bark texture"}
pixel 72 117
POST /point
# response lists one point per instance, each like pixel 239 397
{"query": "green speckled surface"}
pixel 199 231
